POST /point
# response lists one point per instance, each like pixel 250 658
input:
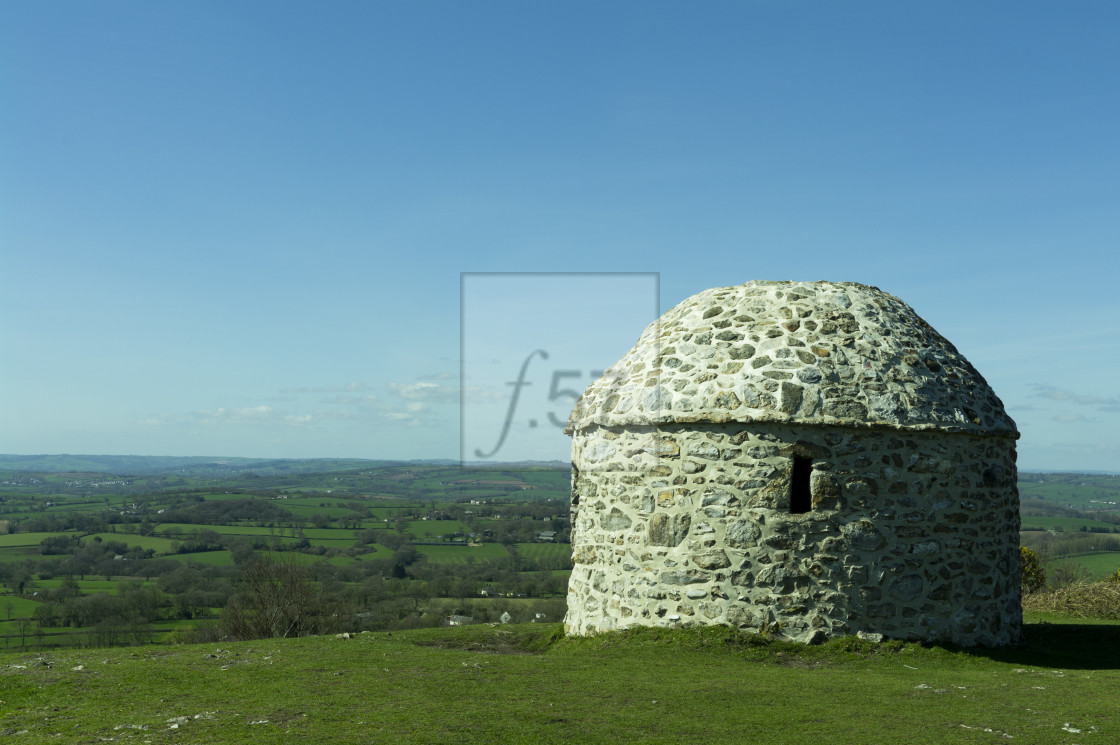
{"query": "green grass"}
pixel 329 534
pixel 522 684
pixel 1047 522
pixel 93 585
pixel 544 550
pixel 157 543
pixel 26 539
pixel 21 607
pixel 333 543
pixel 459 554
pixel 377 551
pixel 1099 564
pixel 185 529
pixel 213 558
pixel 421 529
pixel 1083 491
pixel 17 553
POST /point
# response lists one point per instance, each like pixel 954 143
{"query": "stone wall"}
pixel 913 535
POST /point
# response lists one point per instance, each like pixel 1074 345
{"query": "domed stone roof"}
pixel 830 353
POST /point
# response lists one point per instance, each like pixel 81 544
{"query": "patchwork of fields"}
pixel 395 544
pixel 86 558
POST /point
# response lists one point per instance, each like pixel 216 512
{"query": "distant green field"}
pixel 459 554
pixel 421 529
pixel 20 607
pixel 306 511
pixel 390 513
pixel 64 504
pixel 1046 522
pixel 224 558
pixel 14 553
pixel 377 551
pixel 332 542
pixel 544 550
pixel 1101 564
pixel 25 539
pixel 1083 491
pixel 93 585
pixel 214 558
pixel 251 530
pixel 156 543
pixel 329 534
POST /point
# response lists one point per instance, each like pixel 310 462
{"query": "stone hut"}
pixel 803 458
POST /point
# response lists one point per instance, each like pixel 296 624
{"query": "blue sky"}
pixel 239 228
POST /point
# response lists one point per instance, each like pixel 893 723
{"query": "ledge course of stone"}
pixel 686 452
pixel 837 353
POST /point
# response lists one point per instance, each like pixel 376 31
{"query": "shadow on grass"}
pixel 1069 646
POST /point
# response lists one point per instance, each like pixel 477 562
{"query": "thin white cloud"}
pixel 347 400
pixel 224 415
pixel 439 376
pixel 425 391
pixel 351 387
pixel 1064 395
pixel 1067 418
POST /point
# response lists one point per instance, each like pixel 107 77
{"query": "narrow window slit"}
pixel 800 496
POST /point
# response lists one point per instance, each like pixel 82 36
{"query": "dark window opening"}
pixel 800 496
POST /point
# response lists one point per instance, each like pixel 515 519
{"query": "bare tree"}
pixel 276 598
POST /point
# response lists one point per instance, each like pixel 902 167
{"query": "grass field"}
pixel 544 550
pixel 185 529
pixel 94 585
pixel 377 551
pixel 158 544
pixel 335 534
pixel 459 554
pixel 525 684
pixel 1046 522
pixel 1100 564
pixel 307 510
pixel 16 607
pixel 425 530
pixel 11 540
pixel 15 553
pixel 214 558
pixel 1083 491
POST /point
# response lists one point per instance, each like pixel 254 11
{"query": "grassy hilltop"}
pixel 159 553
pixel 514 684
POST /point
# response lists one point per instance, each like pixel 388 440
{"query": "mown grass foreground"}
pixel 501 684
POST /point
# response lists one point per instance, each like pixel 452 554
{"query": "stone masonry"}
pixel 810 459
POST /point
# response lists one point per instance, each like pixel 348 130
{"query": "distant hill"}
pixel 189 465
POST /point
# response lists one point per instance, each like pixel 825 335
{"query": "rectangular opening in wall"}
pixel 800 497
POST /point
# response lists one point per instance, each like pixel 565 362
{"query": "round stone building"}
pixel 808 458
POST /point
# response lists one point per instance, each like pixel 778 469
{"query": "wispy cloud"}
pixel 352 387
pixel 247 414
pixel 439 376
pixel 1016 408
pixel 1067 418
pixel 346 400
pixel 232 417
pixel 417 404
pixel 1063 395
pixel 424 391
